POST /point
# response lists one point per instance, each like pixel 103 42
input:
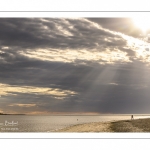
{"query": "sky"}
pixel 74 65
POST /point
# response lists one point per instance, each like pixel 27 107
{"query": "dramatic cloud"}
pixel 73 65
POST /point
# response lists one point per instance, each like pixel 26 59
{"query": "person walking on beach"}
pixel 132 117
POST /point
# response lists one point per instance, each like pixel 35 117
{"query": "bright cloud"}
pixel 78 56
pixel 23 105
pixel 6 89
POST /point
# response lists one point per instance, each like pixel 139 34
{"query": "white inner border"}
pixel 76 135
pixel 66 15
pixel 73 14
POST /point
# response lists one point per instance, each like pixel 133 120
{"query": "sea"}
pixel 36 123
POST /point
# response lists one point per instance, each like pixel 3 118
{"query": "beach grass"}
pixel 138 125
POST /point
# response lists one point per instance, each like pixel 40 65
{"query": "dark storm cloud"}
pixel 54 33
pixel 71 65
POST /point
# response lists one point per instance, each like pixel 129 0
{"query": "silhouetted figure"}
pixel 132 117
pixel 77 119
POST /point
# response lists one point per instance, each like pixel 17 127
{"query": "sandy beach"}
pixel 88 127
pixel 138 125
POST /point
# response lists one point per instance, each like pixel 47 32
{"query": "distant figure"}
pixel 77 119
pixel 132 117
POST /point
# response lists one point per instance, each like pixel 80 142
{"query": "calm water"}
pixel 26 123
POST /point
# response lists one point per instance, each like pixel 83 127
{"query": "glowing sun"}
pixel 142 22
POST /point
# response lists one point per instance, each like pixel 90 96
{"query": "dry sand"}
pixel 89 127
pixel 138 125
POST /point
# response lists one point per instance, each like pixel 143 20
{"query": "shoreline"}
pixel 136 125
